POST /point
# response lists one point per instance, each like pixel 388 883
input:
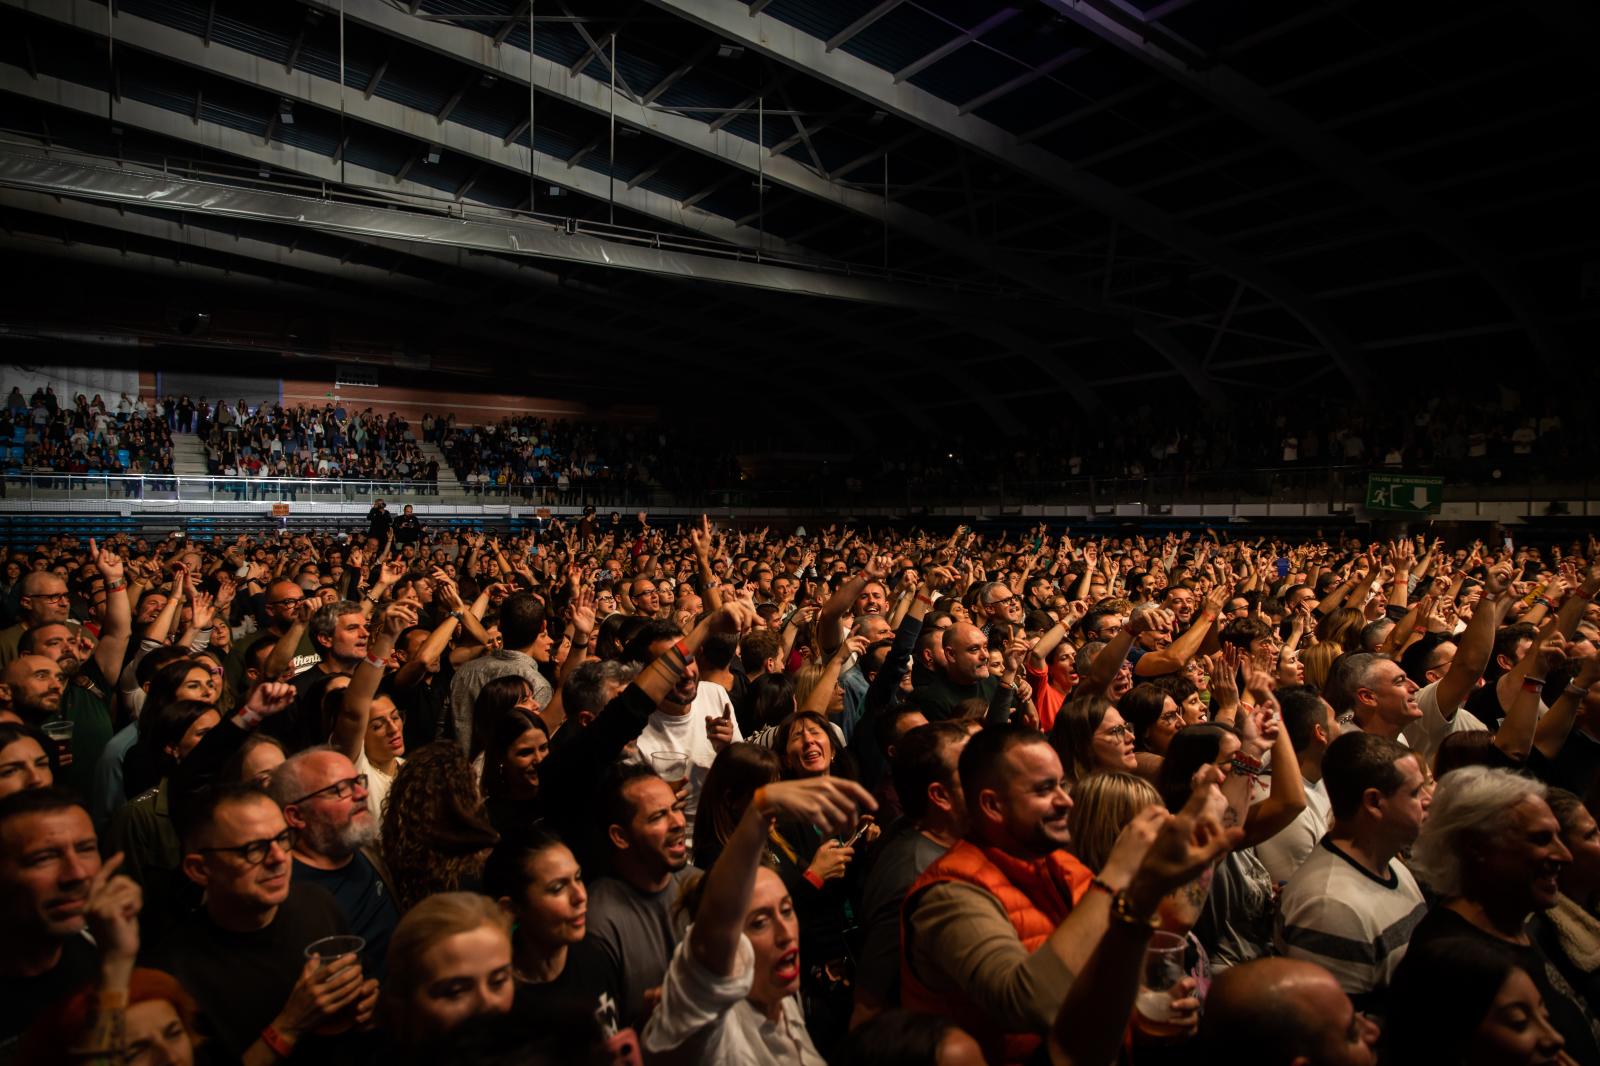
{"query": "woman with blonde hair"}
pixel 1342 627
pixel 449 960
pixel 1102 806
pixel 1318 659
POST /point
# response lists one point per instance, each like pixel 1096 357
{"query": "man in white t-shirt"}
pixel 1312 726
pixel 695 719
pixel 1352 906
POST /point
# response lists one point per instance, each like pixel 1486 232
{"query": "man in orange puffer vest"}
pixel 993 932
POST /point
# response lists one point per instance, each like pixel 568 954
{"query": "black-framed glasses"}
pixel 338 790
pixel 256 851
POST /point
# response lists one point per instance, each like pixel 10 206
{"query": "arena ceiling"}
pixel 921 206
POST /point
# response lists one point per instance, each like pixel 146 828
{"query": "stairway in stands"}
pixel 449 484
pixel 188 455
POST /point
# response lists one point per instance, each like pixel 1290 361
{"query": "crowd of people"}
pixel 331 441
pixel 44 435
pixel 611 793
pixel 563 461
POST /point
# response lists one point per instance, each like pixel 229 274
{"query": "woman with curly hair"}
pixel 435 834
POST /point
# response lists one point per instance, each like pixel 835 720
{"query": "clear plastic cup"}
pixel 1163 969
pixel 59 730
pixel 329 948
pixel 673 766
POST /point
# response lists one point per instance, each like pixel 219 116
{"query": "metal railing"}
pixel 1316 489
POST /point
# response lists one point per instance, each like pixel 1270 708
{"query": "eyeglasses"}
pixel 1171 717
pixel 286 599
pixel 1117 733
pixel 338 790
pixel 255 853
pixel 54 597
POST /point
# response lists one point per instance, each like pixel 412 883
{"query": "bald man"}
pixel 43 599
pixel 1295 1014
pixel 965 675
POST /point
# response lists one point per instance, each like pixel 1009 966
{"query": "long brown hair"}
pixel 433 825
pixel 730 784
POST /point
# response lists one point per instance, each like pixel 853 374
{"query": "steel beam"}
pixel 955 44
pixel 503 236
pixel 592 94
pixel 303 87
pixel 794 47
pixel 850 32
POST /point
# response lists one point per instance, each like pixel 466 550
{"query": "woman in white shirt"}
pixel 369 729
pixel 732 991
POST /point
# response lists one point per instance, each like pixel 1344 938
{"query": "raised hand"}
pixel 107 561
pixel 832 804
pixel 205 612
pixel 112 913
pixel 735 616
pixel 269 698
pixel 582 612
pixel 1184 845
pixel 700 537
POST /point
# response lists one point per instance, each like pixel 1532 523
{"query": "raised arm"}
pixel 350 727
pixel 1517 730
pixel 1088 1029
pixel 844 597
pixel 113 644
pixel 829 803
pixel 1174 655
pixel 1477 642
pixel 1551 734
pixel 700 538
pixel 282 655
pixel 817 699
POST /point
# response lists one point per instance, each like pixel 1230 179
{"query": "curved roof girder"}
pixel 788 44
pixel 476 49
pixel 302 87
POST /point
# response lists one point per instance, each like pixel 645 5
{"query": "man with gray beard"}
pixel 324 802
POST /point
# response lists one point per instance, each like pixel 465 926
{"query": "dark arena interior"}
pixel 799 531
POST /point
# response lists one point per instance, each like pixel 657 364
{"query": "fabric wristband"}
pixel 813 879
pixel 281 1045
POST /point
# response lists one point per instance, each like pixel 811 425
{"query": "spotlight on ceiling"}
pixel 286 112
pixel 433 154
pixel 729 51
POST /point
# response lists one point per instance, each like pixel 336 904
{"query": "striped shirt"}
pixel 1340 915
